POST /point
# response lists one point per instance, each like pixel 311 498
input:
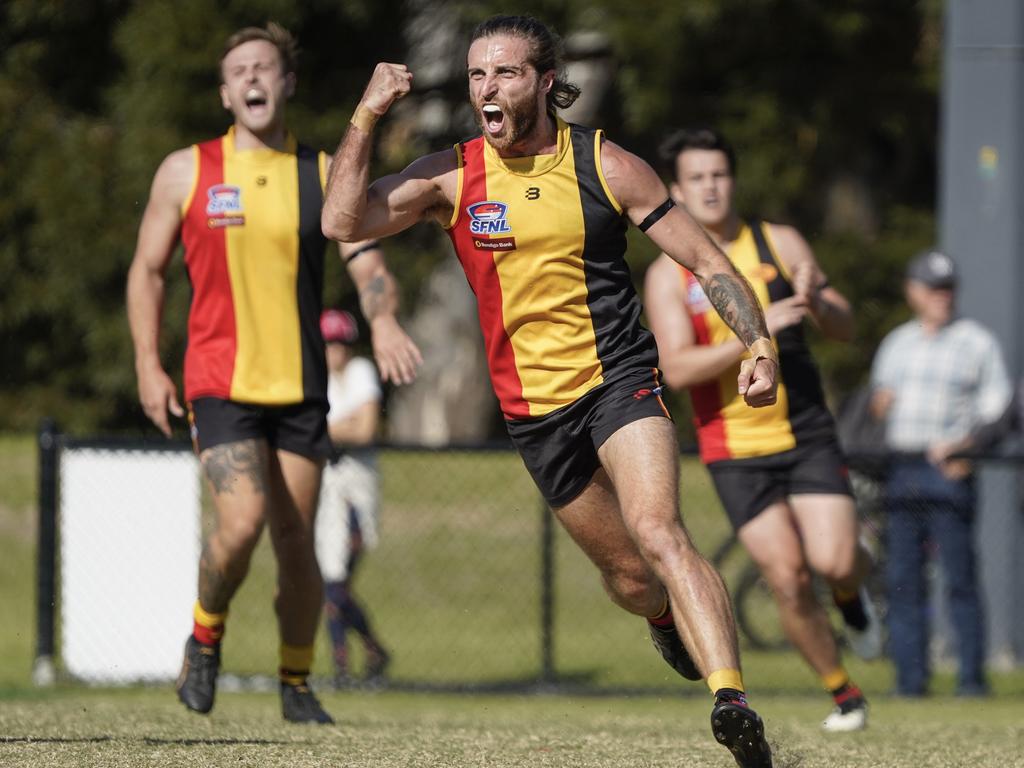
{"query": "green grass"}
pixel 147 727
pixel 18 475
pixel 454 589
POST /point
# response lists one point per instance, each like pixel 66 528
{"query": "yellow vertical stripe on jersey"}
pixel 555 349
pixel 460 178
pixel 268 361
pixel 322 163
pixel 195 182
pixel 764 430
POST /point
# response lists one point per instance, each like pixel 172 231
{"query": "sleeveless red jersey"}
pixel 254 252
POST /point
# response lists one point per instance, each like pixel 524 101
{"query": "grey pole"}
pixel 548 674
pixel 981 204
pixel 43 671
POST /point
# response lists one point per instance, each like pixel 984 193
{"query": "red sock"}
pixel 207 628
pixel 845 693
pixel 663 619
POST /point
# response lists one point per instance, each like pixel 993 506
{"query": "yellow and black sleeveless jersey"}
pixel 254 253
pixel 542 241
pixel 727 428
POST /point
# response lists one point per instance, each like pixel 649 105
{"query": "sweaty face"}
pixel 704 185
pixel 255 87
pixel 507 93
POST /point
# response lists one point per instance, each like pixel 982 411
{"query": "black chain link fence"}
pixel 473 586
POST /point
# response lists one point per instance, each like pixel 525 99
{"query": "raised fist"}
pixel 388 83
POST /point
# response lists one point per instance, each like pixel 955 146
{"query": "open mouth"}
pixel 494 118
pixel 255 99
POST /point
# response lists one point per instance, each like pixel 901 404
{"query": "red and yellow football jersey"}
pixel 727 428
pixel 542 241
pixel 254 253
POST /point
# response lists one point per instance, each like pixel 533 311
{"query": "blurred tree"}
pixel 833 111
pixel 57 281
pixel 832 108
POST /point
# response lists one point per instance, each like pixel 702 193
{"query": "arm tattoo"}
pixel 225 464
pixel 373 297
pixel 734 300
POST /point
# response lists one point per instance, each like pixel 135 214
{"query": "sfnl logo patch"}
pixel 488 224
pixel 224 206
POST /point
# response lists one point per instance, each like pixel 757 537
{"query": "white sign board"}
pixel 129 554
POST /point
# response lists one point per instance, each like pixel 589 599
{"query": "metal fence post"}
pixel 43 671
pixel 547 595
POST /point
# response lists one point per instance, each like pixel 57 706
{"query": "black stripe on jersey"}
pixel 778 288
pixel 614 306
pixel 808 416
pixel 310 279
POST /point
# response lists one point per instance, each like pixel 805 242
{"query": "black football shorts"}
pixel 299 428
pixel 560 449
pixel 746 487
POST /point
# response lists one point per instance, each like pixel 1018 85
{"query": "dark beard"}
pixel 520 120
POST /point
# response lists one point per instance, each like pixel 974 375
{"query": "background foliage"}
pixel 832 107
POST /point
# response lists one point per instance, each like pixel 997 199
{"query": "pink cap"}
pixel 338 326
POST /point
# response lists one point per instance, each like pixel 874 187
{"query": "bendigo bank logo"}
pixel 224 206
pixel 488 219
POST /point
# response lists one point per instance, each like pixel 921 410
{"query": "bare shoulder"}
pixel 439 167
pixel 620 164
pixel 663 271
pixel 790 245
pixel 175 176
pixel 631 179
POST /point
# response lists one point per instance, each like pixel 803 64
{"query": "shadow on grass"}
pixel 151 742
pixel 54 739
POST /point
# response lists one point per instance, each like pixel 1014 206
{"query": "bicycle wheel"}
pixel 757 617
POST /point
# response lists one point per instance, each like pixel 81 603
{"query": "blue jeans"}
pixel 923 505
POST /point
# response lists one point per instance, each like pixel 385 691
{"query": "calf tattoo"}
pixel 216 587
pixel 225 466
pixel 732 296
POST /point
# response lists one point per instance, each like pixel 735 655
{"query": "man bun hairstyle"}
pixel 696 137
pixel 545 54
pixel 273 33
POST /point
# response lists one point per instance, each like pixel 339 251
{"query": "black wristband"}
pixel 654 216
pixel 363 249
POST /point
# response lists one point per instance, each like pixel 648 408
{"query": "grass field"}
pixel 142 728
pixel 454 589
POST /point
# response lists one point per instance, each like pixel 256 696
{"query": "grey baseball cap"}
pixel 933 268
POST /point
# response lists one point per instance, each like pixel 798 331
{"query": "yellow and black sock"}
pixel 838 683
pixel 727 685
pixel 207 628
pixel 296 661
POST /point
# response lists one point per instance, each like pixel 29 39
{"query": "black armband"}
pixel 654 216
pixel 362 249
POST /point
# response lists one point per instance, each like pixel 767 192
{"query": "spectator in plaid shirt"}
pixel 935 379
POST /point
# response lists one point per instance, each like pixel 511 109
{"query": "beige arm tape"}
pixel 763 348
pixel 364 119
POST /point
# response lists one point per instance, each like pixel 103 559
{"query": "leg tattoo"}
pixel 224 464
